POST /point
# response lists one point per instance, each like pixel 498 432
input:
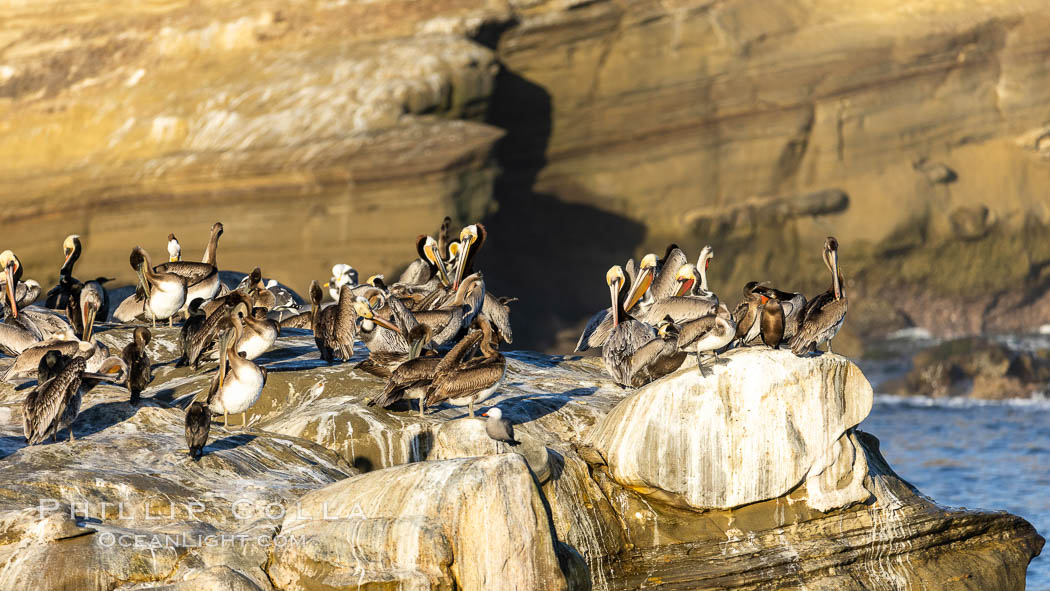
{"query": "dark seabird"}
pixel 460 381
pixel 58 296
pixel 772 323
pixel 138 362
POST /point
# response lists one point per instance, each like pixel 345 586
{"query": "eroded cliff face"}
pixel 613 489
pixel 327 132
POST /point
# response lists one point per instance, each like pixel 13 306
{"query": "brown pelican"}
pixel 471 240
pixel 771 324
pixel 260 333
pixel 824 314
pixel 58 295
pixel 627 337
pixel 137 360
pixel 198 424
pixel 458 381
pixel 86 302
pixel 202 279
pixel 39 322
pixel 385 324
pixel 707 334
pixel 26 363
pixel 174 249
pixel 446 322
pixel 240 386
pixel 498 428
pixel 55 404
pixel 409 380
pixel 199 331
pixel 165 292
pixel 334 327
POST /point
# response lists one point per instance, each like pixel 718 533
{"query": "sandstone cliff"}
pixel 754 477
pixel 327 132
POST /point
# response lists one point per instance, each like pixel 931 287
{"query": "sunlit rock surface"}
pixel 437 505
pixel 759 425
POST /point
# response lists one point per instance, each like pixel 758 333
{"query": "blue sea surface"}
pixel 973 454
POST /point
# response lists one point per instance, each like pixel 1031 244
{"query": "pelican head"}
pixel 69 246
pixel 468 238
pixel 174 249
pixel 377 281
pixel 646 274
pixel 90 302
pixel 364 310
pixel 667 328
pixel 12 273
pixel 614 278
pixel 139 261
pixel 686 278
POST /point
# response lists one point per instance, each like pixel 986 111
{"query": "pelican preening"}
pixel 823 315
pixel 240 386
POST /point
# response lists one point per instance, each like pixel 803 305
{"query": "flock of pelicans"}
pixel 434 334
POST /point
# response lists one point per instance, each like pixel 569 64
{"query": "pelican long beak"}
pixel 685 287
pixel 614 291
pixel 415 348
pixel 461 263
pixel 640 287
pixel 440 264
pixel 69 253
pixel 10 287
pixel 142 280
pixel 89 320
pixel 835 274
pixel 224 342
pixel 385 323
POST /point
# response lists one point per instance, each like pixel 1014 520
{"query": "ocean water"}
pixel 973 454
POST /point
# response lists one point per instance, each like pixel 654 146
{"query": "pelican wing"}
pixel 664 285
pixel 681 308
pixel 193 272
pixel 823 319
pixel 466 382
pixel 596 332
pixel 44 407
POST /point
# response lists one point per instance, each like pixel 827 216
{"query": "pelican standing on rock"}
pixel 135 357
pixel 824 314
pixel 55 404
pixel 334 327
pixel 202 279
pixel 58 296
pixel 468 382
pixel 240 387
pixel 165 292
pixel 627 337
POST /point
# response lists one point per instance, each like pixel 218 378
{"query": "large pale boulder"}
pixel 472 524
pixel 755 428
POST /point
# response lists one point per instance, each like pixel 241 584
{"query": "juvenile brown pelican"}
pixel 335 327
pixel 202 279
pixel 466 382
pixel 707 334
pixel 137 360
pixel 658 357
pixel 58 295
pixel 199 332
pixel 198 424
pixel 410 379
pixel 771 324
pixel 498 428
pixel 86 302
pixel 240 386
pixel 174 249
pixel 55 404
pixel 260 333
pixel 627 337
pixel 165 292
pixel 824 314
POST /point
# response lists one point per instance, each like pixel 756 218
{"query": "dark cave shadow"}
pixel 551 254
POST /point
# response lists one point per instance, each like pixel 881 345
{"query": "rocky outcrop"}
pixel 603 496
pixel 761 425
